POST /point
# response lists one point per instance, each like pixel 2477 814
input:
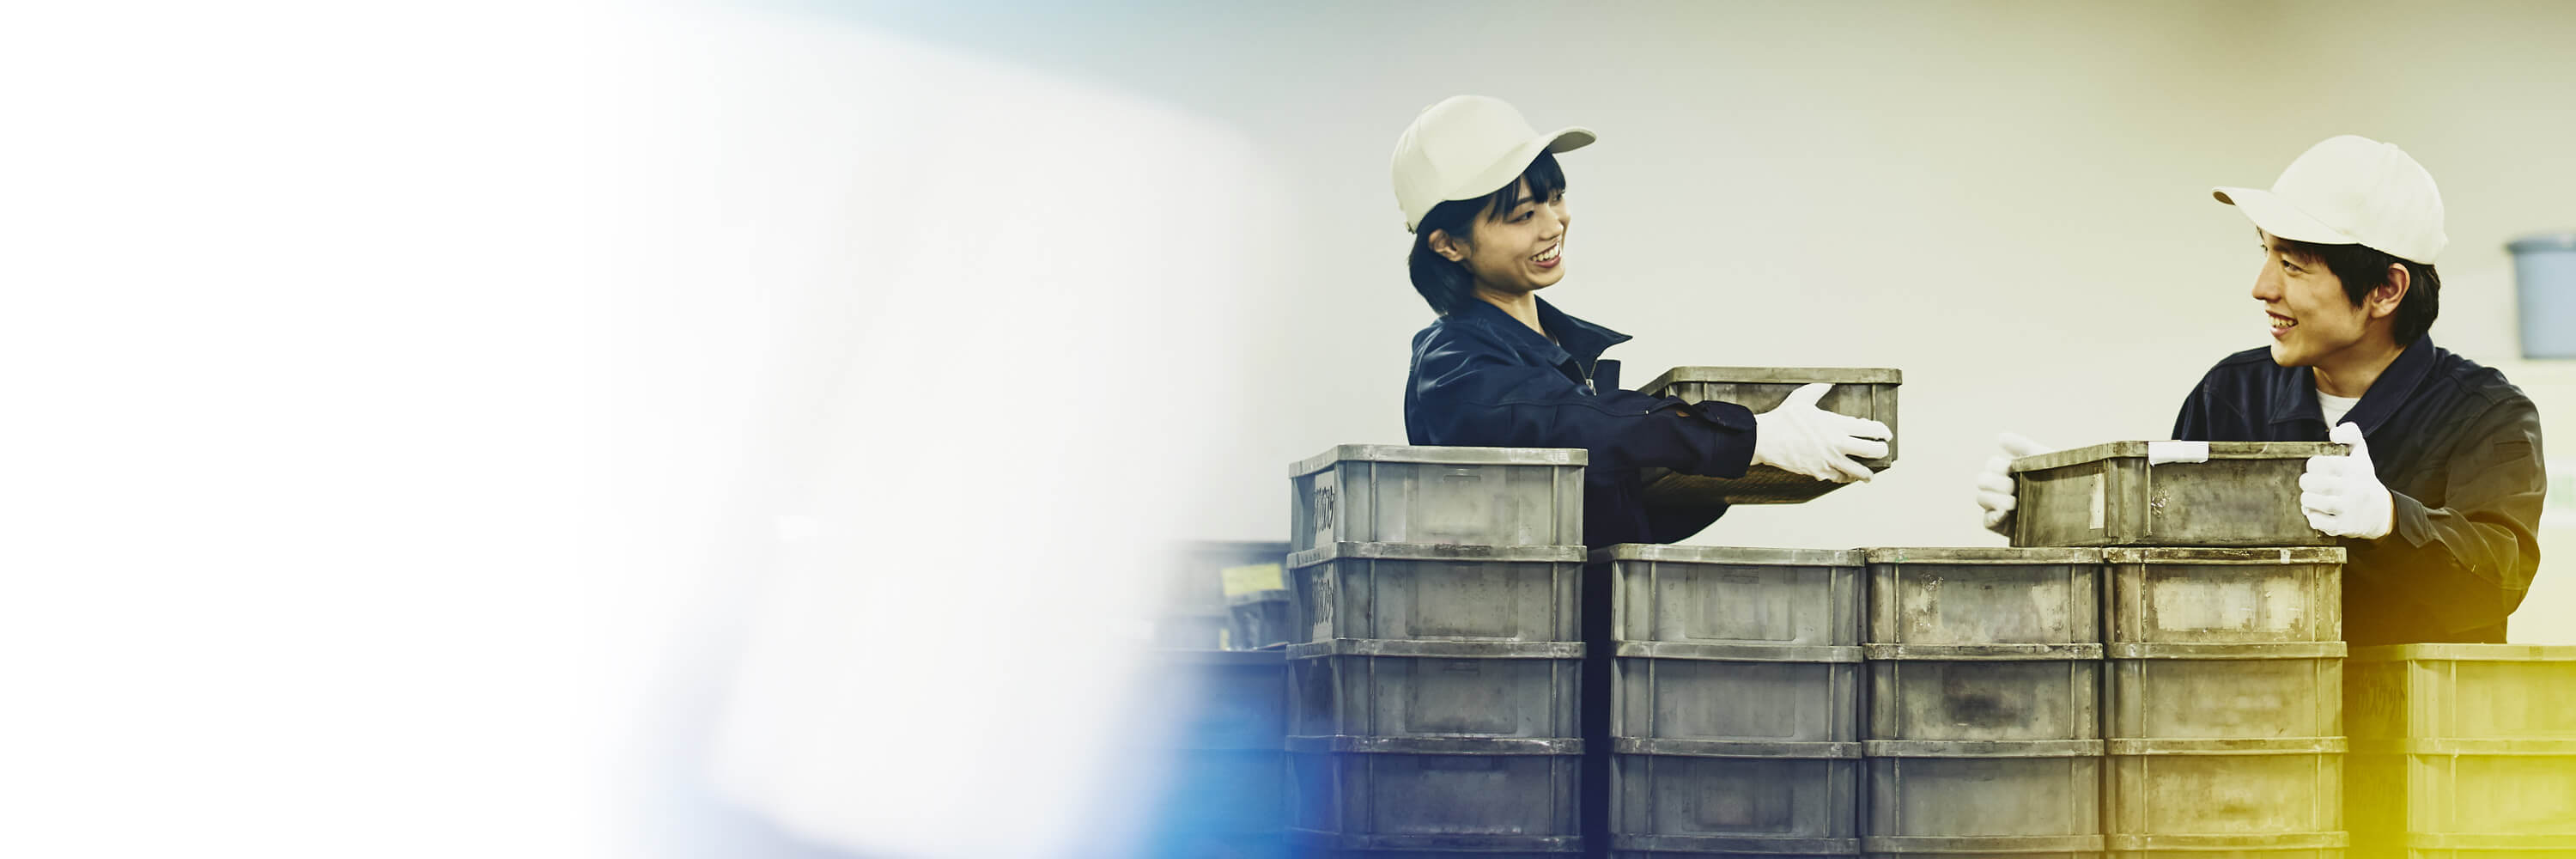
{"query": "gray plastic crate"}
pixel 1371 688
pixel 2462 692
pixel 1985 692
pixel 1492 496
pixel 1430 592
pixel 1717 595
pixel 1258 619
pixel 1321 846
pixel 1703 798
pixel 2226 596
pixel 2462 750
pixel 1982 798
pixel 2241 494
pixel 1194 571
pixel 1224 793
pixel 1351 793
pixel 1194 629
pixel 1662 690
pixel 2304 845
pixel 1985 596
pixel 2463 795
pixel 1860 392
pixel 2225 691
pixel 2202 795
pixel 1234 700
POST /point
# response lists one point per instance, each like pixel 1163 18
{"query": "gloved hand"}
pixel 2342 495
pixel 1799 438
pixel 1995 483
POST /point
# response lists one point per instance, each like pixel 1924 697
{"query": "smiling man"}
pixel 2438 500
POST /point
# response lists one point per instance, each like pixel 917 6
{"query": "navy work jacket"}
pixel 1482 379
pixel 2458 448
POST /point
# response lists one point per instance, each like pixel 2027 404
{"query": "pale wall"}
pixel 2006 200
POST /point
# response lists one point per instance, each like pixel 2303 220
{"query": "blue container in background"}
pixel 2544 267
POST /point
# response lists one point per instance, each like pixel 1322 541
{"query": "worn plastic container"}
pixel 1431 592
pixel 1193 629
pixel 2225 691
pixel 1985 596
pixel 1858 392
pixel 2544 276
pixel 1257 620
pixel 2191 796
pixel 1230 792
pixel 2463 795
pixel 1722 692
pixel 2462 692
pixel 1374 688
pixel 2226 596
pixel 2462 750
pixel 1195 571
pixel 2139 493
pixel 1396 794
pixel 1719 595
pixel 1232 700
pixel 1993 692
pixel 1492 496
pixel 2020 799
pixel 1717 798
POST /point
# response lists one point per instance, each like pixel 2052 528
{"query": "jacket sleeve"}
pixel 1470 394
pixel 2472 559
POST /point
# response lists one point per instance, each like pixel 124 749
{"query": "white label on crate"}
pixel 2161 452
pixel 2097 490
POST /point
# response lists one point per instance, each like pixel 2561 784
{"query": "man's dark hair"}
pixel 2363 269
pixel 1447 285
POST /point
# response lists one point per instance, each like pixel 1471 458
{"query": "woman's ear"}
pixel 1448 247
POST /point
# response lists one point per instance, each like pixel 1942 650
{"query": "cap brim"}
pixel 2276 216
pixel 1509 167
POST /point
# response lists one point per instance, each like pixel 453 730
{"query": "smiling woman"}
pixel 1485 196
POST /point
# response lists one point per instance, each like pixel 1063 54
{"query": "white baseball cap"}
pixel 1468 146
pixel 2350 191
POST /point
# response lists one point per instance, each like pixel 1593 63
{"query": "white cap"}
pixel 1465 147
pixel 2350 191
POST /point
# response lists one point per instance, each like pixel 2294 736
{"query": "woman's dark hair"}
pixel 1446 284
pixel 2363 269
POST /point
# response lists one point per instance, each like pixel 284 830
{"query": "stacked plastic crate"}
pixel 2223 709
pixel 1225 756
pixel 1734 701
pixel 1985 675
pixel 2462 751
pixel 1224 794
pixel 1435 686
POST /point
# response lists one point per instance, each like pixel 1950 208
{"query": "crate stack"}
pixel 1224 758
pixel 1225 791
pixel 1985 677
pixel 2462 751
pixel 1220 594
pixel 2222 710
pixel 1735 701
pixel 1436 656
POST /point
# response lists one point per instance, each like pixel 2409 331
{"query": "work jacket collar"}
pixel 1576 339
pixel 2392 389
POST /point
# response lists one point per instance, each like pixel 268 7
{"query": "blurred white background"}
pixel 446 431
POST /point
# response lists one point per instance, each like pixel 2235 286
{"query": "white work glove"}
pixel 1799 438
pixel 2342 495
pixel 1995 484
